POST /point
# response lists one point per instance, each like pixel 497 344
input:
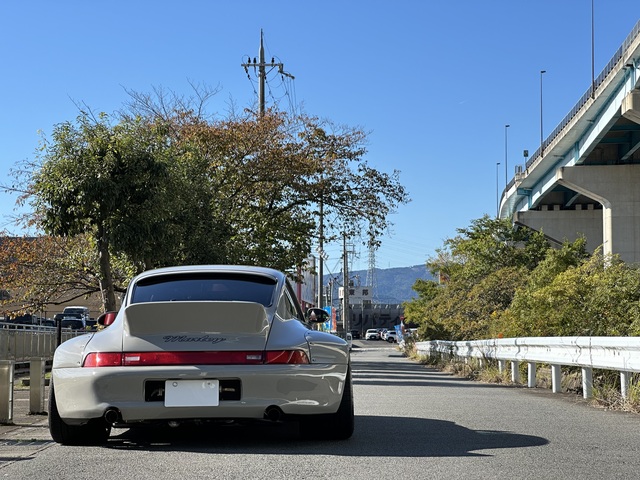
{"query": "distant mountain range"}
pixel 393 285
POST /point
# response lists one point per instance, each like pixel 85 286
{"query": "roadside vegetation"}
pixel 499 280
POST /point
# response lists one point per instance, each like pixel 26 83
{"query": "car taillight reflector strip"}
pixel 134 359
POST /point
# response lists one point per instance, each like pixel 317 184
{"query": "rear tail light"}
pixel 286 357
pixel 135 359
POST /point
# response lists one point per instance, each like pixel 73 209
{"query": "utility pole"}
pixel 321 257
pixel 345 282
pixel 261 67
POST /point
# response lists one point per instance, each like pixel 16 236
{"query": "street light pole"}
pixel 593 78
pixel 506 179
pixel 497 196
pixel 541 138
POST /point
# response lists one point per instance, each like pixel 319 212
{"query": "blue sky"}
pixel 433 82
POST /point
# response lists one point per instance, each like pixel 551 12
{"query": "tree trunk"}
pixel 106 279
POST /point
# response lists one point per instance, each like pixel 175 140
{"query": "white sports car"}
pixel 202 343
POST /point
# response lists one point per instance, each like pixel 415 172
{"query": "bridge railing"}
pixel 617 57
pixel 620 354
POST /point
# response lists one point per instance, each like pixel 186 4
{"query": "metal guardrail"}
pixel 32 345
pixel 621 354
pixel 21 343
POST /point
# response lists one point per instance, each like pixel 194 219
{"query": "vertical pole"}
pixel 531 374
pixel 6 391
pixel 345 282
pixel 593 77
pixel 625 381
pixel 320 256
pixel 556 378
pixel 497 196
pixel 541 137
pixel 36 385
pixel 587 383
pixel 515 372
pixel 262 74
pixel 502 364
pixel 506 179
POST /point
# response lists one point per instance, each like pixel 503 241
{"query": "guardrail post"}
pixel 7 368
pixel 36 385
pixel 502 364
pixel 515 372
pixel 531 374
pixel 556 378
pixel 625 380
pixel 587 383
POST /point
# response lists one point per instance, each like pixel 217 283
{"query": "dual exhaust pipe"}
pixel 272 413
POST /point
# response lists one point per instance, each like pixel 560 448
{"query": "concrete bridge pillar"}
pixel 617 188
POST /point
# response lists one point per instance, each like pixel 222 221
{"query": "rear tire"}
pixel 335 426
pixel 95 432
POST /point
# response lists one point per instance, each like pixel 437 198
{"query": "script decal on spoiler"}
pixel 194 339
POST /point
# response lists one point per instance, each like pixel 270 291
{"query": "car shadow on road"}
pixel 374 436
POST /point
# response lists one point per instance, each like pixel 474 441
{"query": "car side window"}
pixel 287 307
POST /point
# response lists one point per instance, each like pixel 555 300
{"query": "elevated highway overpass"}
pixel 584 180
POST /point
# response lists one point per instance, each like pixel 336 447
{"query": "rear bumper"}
pixel 86 393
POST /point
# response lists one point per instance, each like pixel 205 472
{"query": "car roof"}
pixel 276 274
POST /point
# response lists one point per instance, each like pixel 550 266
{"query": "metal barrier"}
pixel 26 344
pixel 621 354
pixel 6 394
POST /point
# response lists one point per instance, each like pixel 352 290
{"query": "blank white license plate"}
pixel 191 393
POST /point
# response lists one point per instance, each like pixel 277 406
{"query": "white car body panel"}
pixel 86 393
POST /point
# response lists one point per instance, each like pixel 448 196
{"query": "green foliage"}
pixel 532 310
pixel 598 297
pixel 481 267
pixel 502 281
pixel 162 184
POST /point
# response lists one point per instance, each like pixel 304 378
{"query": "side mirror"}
pixel 317 315
pixel 106 319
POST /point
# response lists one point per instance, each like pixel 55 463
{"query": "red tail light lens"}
pixel 133 359
pixel 103 360
pixel 287 357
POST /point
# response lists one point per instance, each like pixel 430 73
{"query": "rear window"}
pixel 205 286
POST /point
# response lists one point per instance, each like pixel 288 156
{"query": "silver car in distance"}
pixel 203 344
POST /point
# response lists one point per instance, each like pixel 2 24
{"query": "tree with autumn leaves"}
pixel 162 184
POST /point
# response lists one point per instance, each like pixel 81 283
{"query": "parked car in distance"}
pixel 73 323
pixel 386 331
pixel 355 334
pixel 391 336
pixel 372 334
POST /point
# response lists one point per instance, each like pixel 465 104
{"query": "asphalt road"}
pixel 411 423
